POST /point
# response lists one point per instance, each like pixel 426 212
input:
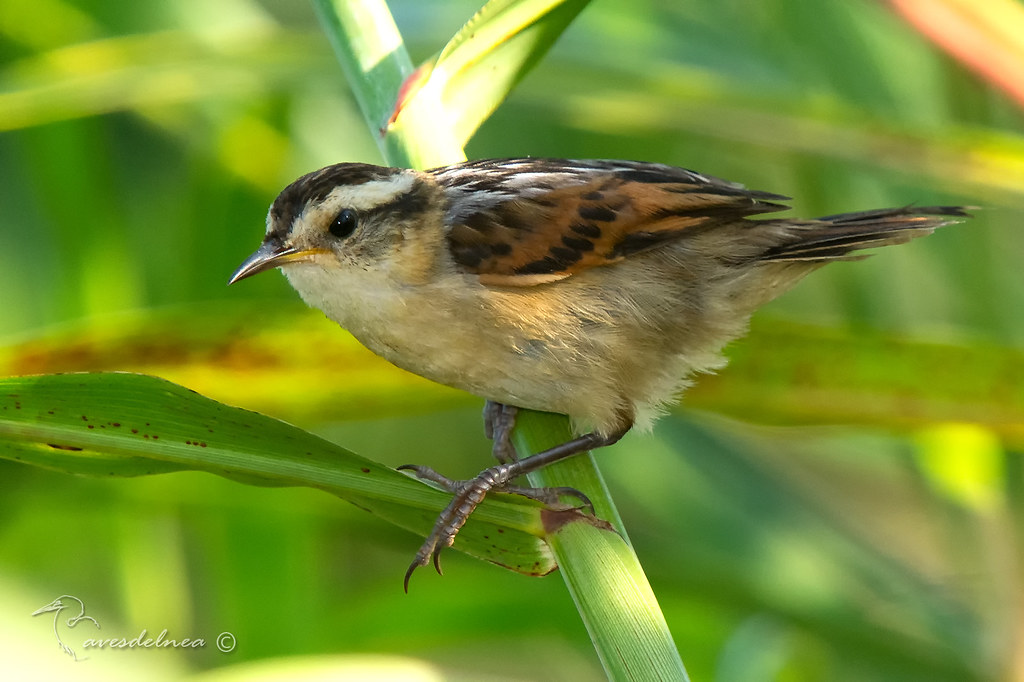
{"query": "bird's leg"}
pixel 470 493
pixel 499 420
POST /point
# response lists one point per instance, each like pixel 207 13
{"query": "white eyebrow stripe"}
pixel 368 195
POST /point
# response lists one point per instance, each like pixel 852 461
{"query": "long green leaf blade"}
pixel 119 424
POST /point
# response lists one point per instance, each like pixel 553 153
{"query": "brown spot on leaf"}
pixel 553 519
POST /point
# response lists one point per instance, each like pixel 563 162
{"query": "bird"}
pixel 597 289
pixel 56 607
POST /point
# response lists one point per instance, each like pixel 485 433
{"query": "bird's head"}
pixel 349 216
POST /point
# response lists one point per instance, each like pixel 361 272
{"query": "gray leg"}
pixel 499 420
pixel 470 493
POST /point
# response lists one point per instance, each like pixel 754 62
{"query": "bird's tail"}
pixel 838 237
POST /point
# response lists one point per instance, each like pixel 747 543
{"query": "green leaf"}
pixel 119 424
pixel 480 65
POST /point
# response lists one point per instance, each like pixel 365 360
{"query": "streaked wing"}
pixel 522 222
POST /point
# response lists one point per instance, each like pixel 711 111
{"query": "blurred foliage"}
pixel 140 146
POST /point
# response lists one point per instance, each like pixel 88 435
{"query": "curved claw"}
pixel 425 473
pixel 408 574
pixel 431 548
pixel 578 494
pixel 417 562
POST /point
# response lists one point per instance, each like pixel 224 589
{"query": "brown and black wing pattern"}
pixel 522 222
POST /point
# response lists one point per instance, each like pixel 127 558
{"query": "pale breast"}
pixel 516 347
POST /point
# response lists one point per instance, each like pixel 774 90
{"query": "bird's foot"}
pixel 499 420
pixel 470 493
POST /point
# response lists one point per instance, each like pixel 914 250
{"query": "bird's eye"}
pixel 344 224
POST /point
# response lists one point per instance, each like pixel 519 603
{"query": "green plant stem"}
pixel 537 431
pixel 376 64
pixel 600 568
pixel 372 55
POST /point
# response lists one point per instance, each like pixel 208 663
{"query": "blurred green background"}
pixel 830 527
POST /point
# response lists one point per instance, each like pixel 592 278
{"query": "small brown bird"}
pixel 594 289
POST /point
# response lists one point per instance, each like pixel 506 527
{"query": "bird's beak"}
pixel 52 606
pixel 271 254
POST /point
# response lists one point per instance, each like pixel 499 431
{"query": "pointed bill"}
pixel 271 254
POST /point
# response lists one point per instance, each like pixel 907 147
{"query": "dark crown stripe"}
pixel 317 185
